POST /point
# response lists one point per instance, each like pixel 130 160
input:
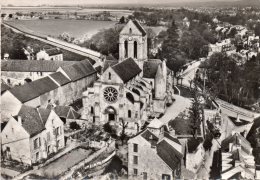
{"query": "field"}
pixel 55 27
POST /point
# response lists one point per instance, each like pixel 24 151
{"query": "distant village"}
pixel 125 118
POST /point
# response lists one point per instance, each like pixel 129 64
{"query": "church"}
pixel 132 88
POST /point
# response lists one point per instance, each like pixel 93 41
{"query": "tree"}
pixel 170 49
pixel 74 126
pixel 122 20
pixel 124 125
pixel 257 29
pixel 195 112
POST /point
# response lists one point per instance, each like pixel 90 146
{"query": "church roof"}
pixel 150 68
pixel 33 66
pixel 60 78
pixel 139 27
pixel 127 69
pixel 108 63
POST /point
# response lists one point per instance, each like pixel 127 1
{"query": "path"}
pixel 189 73
pixel 9 172
pixel 67 47
pixel 179 105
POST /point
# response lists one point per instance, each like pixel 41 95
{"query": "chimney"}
pixel 19 120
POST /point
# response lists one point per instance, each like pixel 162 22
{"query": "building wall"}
pixel 194 160
pixel 17 139
pixel 41 150
pixel 55 142
pixel 10 105
pixel 57 57
pixel 148 160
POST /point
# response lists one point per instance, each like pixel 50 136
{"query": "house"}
pixel 53 54
pixel 32 135
pixel 237 159
pixel 62 88
pixel 154 153
pixel 18 72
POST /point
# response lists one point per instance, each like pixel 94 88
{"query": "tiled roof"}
pixel 139 27
pixel 53 51
pixel 79 70
pixel 127 69
pixel 167 135
pixel 4 87
pixel 60 78
pixel 33 89
pixel 33 65
pixel 150 68
pixel 169 154
pixel 66 112
pixel 44 113
pixel 108 63
pixel 31 120
pixel 150 137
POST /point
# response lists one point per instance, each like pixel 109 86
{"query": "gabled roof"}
pixel 60 78
pixel 150 68
pixel 237 139
pixel 169 154
pixel 65 112
pixel 108 63
pixel 33 89
pixel 79 70
pixel 33 65
pixel 44 114
pixel 53 51
pixel 139 27
pixel 31 120
pixel 4 87
pixel 127 69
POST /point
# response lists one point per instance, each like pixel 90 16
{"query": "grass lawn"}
pixel 65 162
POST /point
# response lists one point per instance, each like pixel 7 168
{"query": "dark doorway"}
pixel 111 117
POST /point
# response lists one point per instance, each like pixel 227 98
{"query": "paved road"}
pixel 179 105
pixel 189 73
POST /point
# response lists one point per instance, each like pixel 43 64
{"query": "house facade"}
pixel 38 131
pixel 53 54
pixel 154 154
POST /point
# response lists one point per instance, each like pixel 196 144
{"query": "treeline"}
pixel 237 84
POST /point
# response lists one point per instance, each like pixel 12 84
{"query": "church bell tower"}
pixel 133 43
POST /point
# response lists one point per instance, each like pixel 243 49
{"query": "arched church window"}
pixel 129 113
pixel 126 48
pixel 109 76
pixel 136 91
pixel 130 31
pixel 135 49
pixel 130 97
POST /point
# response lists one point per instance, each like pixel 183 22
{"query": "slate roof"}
pixel 33 89
pixel 150 68
pixel 127 69
pixel 33 65
pixel 31 120
pixel 4 87
pixel 44 113
pixel 53 51
pixel 65 112
pixel 169 154
pixel 79 70
pixel 139 27
pixel 108 63
pixel 167 135
pixel 60 78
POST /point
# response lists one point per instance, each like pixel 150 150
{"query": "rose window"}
pixel 110 94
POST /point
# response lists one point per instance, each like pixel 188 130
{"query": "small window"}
pixel 135 147
pixel 109 76
pixel 37 156
pixel 135 159
pixel 166 177
pixel 129 113
pixel 12 129
pixel 40 73
pixel 130 31
pixel 135 172
pixel 8 81
pixel 144 175
pixel 91 110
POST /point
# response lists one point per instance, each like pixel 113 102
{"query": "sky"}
pixel 74 2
